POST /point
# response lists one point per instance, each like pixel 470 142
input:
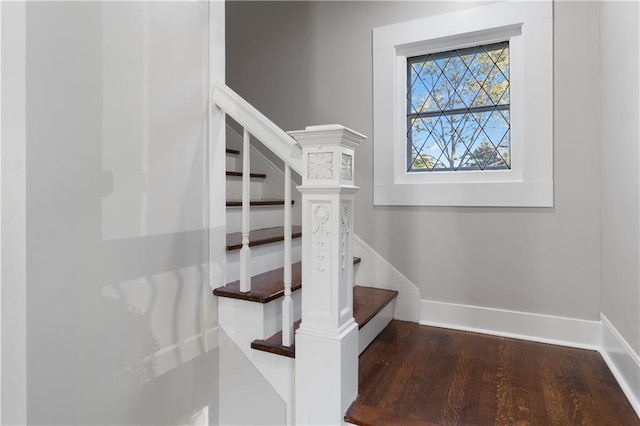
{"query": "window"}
pixel 463 108
pixel 458 110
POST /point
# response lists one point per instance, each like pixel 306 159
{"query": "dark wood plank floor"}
pixel 419 375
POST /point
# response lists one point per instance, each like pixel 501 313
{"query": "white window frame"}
pixel 529 182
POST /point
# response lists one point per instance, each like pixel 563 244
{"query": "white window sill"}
pixel 466 194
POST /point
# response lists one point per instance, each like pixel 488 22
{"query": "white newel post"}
pixel 327 340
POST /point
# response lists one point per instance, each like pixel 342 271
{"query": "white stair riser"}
pixel 375 326
pixel 234 188
pixel 260 320
pixel 263 258
pixel 273 313
pixel 241 320
pixel 232 162
pixel 260 217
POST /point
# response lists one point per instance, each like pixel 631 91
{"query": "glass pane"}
pixel 466 89
pixel 420 137
pixel 430 79
pixel 459 103
pixel 417 92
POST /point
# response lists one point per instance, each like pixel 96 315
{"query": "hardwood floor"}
pixel 419 375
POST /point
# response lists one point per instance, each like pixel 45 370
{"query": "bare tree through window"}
pixel 458 110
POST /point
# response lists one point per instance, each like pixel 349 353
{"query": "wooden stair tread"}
pixel 264 287
pixel 232 151
pixel 267 286
pixel 368 416
pixel 254 203
pixel 274 344
pixel 252 175
pixel 367 302
pixel 261 236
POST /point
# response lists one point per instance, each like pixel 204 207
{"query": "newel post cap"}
pixel 328 134
pixel 328 154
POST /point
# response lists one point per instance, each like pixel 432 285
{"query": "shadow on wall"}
pixel 117 245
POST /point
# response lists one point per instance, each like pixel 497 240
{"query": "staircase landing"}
pixel 420 375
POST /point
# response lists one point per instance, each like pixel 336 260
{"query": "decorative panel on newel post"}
pixel 327 340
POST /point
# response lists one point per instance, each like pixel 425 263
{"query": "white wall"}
pixel 120 321
pixel 620 91
pixel 305 63
pixel 13 205
pixel 246 396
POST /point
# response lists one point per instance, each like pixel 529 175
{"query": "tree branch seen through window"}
pixel 458 110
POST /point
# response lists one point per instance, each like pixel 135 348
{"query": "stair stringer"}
pixel 379 273
pixel 242 386
pixel 245 321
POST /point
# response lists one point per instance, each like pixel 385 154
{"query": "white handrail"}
pixel 287 148
pixel 272 136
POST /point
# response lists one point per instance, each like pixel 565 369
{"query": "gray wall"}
pixel 304 63
pixel 117 242
pixel 620 192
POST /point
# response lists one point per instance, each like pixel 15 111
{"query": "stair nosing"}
pixel 231 290
pixel 362 415
pixel 232 151
pixel 226 291
pixel 288 351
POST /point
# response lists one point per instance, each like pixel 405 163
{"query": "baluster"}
pixel 287 302
pixel 245 251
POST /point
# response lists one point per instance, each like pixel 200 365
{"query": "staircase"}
pixel 261 305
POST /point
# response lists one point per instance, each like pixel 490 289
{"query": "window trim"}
pixel 529 182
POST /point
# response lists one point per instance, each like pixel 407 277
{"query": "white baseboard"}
pixel 519 325
pixel 623 362
pixel 172 356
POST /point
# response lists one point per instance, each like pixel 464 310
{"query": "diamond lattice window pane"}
pixel 458 110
